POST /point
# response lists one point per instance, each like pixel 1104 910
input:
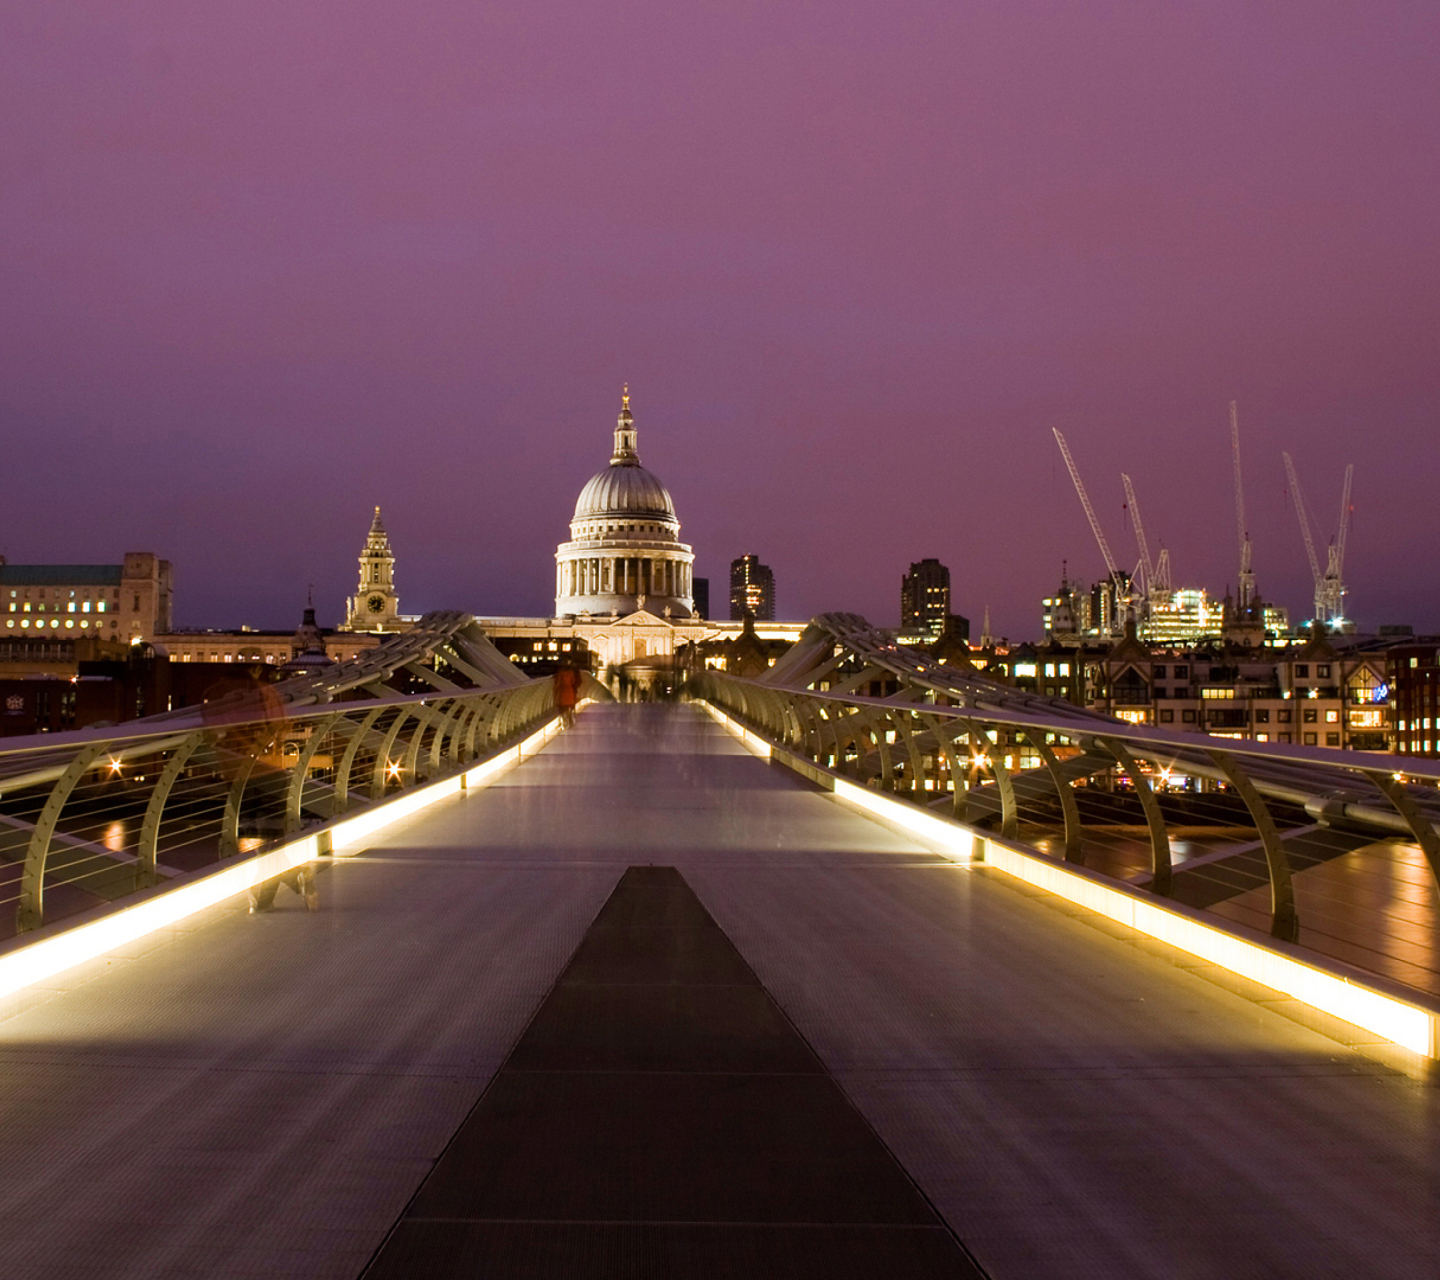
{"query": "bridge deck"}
pixel 264 1095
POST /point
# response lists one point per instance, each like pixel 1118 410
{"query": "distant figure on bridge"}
pixel 567 692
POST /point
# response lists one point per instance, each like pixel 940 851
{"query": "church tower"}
pixel 375 606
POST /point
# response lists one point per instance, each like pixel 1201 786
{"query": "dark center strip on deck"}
pixel 661 1117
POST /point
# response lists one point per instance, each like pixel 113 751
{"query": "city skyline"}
pixel 261 279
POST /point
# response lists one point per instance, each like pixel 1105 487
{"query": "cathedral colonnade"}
pixel 623 575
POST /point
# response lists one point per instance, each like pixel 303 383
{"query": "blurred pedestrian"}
pixel 567 692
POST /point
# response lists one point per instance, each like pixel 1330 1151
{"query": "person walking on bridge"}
pixel 567 692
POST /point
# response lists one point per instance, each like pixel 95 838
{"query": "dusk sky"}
pixel 264 265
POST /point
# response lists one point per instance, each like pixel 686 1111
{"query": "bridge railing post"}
pixel 1284 923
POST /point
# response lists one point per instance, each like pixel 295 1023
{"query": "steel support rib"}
pixel 461 734
pixel 382 757
pixel 1161 873
pixel 30 910
pixel 959 777
pixel 147 853
pixel 352 748
pixel 293 793
pixel 1070 811
pixel 230 819
pixel 1284 924
pixel 425 717
pixel 1009 810
pixel 917 765
pixel 444 747
pixel 1421 826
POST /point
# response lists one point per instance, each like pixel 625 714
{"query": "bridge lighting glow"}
pixel 1407 1025
pixel 115 765
pixel 392 769
pixel 48 956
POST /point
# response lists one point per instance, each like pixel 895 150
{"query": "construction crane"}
pixel 1154 577
pixel 1118 583
pixel 1305 533
pixel 1329 585
pixel 1247 575
pixel 1335 566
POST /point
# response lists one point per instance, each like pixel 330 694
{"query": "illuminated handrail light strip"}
pixel 1408 1025
pixel 46 957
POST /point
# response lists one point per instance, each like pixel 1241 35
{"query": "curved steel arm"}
pixel 145 870
pixel 318 733
pixel 1070 810
pixel 30 910
pixel 1162 879
pixel 1009 809
pixel 1284 923
pixel 1421 826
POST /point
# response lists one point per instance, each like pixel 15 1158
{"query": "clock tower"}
pixel 375 606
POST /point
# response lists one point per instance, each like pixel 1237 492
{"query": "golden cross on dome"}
pixel 625 396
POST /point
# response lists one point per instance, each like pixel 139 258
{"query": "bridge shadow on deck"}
pixel 661 1116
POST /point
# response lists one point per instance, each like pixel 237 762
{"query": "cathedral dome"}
pixel 624 552
pixel 624 489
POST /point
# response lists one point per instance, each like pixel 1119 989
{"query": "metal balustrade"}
pixel 1083 788
pixel 93 816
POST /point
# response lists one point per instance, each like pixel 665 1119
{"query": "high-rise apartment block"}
pixel 752 589
pixel 925 598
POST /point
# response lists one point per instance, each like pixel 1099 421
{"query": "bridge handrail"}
pixel 910 743
pixel 93 814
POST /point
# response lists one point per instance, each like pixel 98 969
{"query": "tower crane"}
pixel 1154 575
pixel 1334 581
pixel 1305 533
pixel 1330 585
pixel 1247 575
pixel 1119 586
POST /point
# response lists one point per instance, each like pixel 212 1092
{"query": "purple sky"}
pixel 264 265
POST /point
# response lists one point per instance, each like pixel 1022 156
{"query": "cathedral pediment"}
pixel 641 618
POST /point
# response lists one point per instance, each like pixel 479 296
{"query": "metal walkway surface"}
pixel 660 1116
pixel 264 1096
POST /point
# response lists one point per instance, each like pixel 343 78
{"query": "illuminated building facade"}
pixel 1413 676
pixel 925 598
pixel 752 589
pixel 624 553
pixel 375 606
pixel 128 602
